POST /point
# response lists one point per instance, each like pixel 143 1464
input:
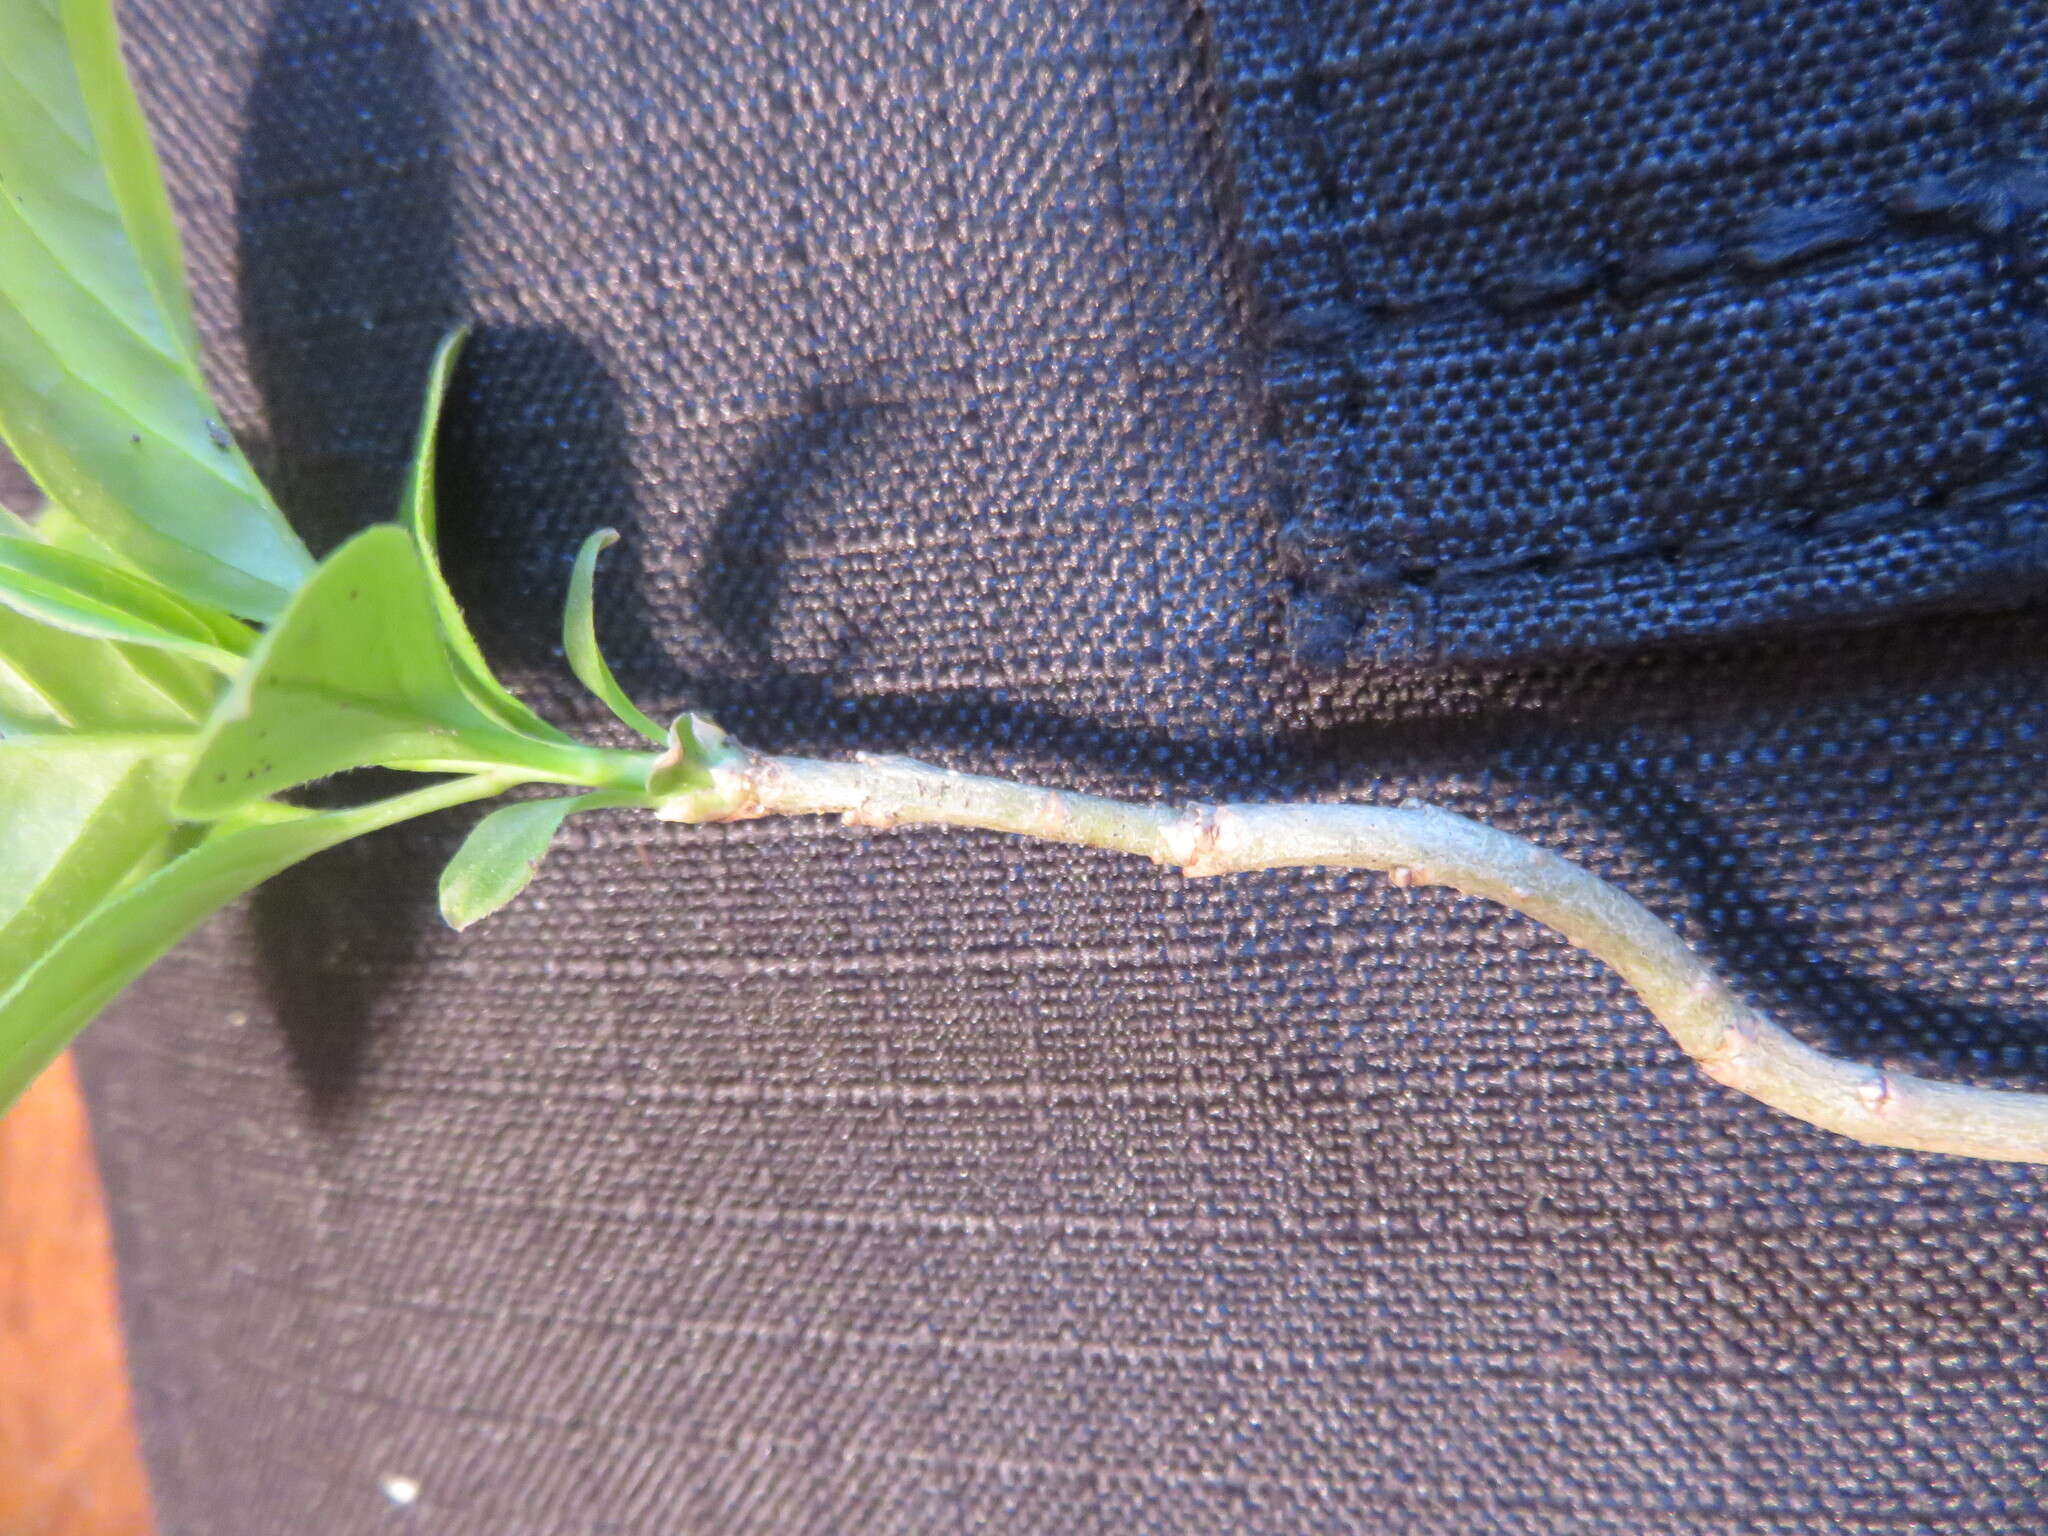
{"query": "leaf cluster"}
pixel 173 663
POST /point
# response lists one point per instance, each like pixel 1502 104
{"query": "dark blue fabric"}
pixel 788 1178
pixel 1592 326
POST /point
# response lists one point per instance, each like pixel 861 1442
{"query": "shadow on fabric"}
pixel 350 274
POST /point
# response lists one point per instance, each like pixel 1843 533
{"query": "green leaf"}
pixel 417 512
pixel 76 821
pixel 579 639
pixel 77 593
pixel 60 530
pixel 84 969
pixel 695 746
pixel 54 681
pixel 101 394
pixel 504 851
pixel 355 673
pixel 129 158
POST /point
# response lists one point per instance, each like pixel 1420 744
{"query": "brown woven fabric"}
pixel 786 1178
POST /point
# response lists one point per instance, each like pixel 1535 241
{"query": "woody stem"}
pixel 1416 844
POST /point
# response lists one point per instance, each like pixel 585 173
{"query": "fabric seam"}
pixel 1983 203
pixel 2021 476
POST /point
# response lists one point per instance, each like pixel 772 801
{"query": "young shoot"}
pixel 173 665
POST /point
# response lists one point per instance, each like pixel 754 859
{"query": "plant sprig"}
pixel 148 732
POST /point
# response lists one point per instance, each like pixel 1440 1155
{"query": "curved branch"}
pixel 1416 844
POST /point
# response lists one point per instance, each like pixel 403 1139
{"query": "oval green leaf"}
pixel 354 674
pixel 503 852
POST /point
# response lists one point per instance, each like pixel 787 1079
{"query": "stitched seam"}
pixel 1769 244
pixel 2019 477
pixel 1982 203
pixel 2009 260
pixel 1306 97
pixel 1495 210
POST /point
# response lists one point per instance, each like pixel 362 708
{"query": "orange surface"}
pixel 68 1463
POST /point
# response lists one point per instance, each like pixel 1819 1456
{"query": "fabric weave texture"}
pixel 1595 325
pixel 791 1178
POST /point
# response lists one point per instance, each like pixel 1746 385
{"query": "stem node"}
pixel 1190 840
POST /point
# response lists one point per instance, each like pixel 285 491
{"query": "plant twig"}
pixel 1415 844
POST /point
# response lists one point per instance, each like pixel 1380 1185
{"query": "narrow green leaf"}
pixel 504 851
pixel 133 174
pixel 579 640
pixel 418 512
pixel 25 708
pixel 84 969
pixel 355 673
pixel 111 685
pixel 76 593
pixel 101 394
pixel 74 826
pixel 60 530
pixel 53 681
